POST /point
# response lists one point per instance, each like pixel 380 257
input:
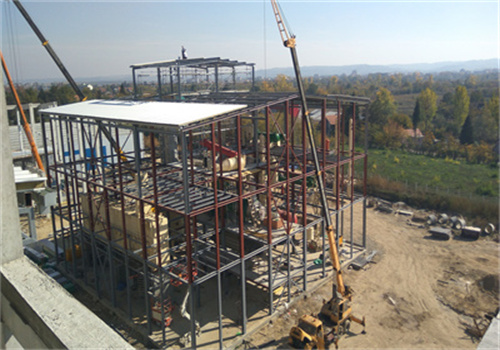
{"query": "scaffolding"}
pixel 193 76
pixel 205 200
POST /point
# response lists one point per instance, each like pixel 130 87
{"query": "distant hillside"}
pixel 363 69
pixel 309 71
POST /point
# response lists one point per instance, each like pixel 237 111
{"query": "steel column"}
pixel 187 227
pixel 134 83
pixel 124 227
pixel 158 72
pixel 269 214
pixel 304 198
pixel 241 232
pixel 217 237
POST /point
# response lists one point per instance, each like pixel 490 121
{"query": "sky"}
pixel 97 38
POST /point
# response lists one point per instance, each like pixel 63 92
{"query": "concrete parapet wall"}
pixel 41 314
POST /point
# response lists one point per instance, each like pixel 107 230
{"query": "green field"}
pixel 445 185
pixel 440 175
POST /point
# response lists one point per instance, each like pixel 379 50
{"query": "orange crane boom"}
pixel 26 125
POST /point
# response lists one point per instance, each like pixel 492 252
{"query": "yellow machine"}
pixel 337 310
pixel 308 334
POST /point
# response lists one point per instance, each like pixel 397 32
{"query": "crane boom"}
pixel 289 41
pixel 26 125
pixel 45 43
pixel 337 309
pixel 66 74
pixel 285 37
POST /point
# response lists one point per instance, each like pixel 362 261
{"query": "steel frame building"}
pixel 172 77
pixel 139 221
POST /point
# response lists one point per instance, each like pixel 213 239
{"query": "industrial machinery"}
pixel 337 310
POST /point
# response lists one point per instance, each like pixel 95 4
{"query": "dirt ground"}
pixel 418 293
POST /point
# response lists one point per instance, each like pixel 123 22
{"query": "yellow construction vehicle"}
pixel 337 310
pixel 308 334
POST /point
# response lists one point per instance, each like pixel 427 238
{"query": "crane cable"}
pixel 12 40
pixel 265 38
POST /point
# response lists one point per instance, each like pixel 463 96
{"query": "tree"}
pixel 332 86
pixel 282 83
pixel 266 87
pixel 428 99
pixel 486 122
pixel 393 135
pixel 312 89
pixel 382 108
pixel 417 116
pixel 466 135
pixel 402 119
pixel 460 107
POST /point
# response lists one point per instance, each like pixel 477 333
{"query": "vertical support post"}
pixel 304 197
pixel 52 209
pixel 234 78
pixel 46 150
pixel 137 150
pixel 217 233
pixel 85 170
pixel 109 248
pixel 19 128
pixel 353 139
pixel 323 173
pixel 157 225
pixel 253 78
pixel 76 195
pixel 323 138
pixel 179 92
pixel 134 82
pixel 216 78
pixel 106 208
pixel 124 228
pixel 269 214
pixel 187 228
pixel 93 165
pixel 338 188
pixel 241 231
pixel 365 179
pixel 288 213
pixel 65 176
pixel 171 80
pixel 256 139
pixel 342 173
pixel 69 198
pixel 158 73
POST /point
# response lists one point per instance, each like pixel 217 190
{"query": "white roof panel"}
pixel 159 113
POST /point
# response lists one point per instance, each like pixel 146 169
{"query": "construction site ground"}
pixel 418 292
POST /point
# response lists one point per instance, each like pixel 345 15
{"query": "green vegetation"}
pixel 441 184
pixel 439 175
